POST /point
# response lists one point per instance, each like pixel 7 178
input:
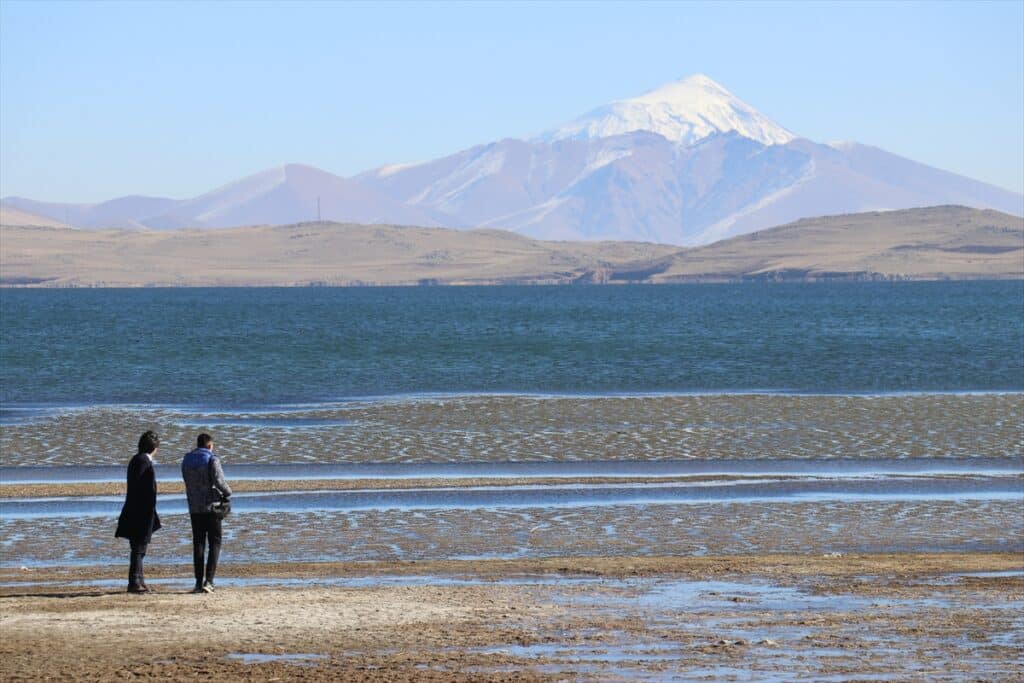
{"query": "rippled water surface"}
pixel 254 347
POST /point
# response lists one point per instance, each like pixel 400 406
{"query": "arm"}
pixel 147 487
pixel 219 482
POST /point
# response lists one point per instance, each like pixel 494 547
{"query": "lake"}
pixel 255 347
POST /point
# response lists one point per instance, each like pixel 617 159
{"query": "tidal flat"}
pixel 927 617
pixel 528 428
pixel 533 537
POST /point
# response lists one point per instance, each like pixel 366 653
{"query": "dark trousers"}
pixel 205 527
pixel 138 551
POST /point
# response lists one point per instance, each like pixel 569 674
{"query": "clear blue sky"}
pixel 99 100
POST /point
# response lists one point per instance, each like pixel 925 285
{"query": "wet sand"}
pixel 506 533
pixel 799 617
pixel 517 428
pixel 42 490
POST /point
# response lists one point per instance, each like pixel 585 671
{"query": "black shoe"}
pixel 133 588
pixel 198 588
pixel 207 587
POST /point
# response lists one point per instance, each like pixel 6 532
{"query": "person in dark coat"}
pixel 138 518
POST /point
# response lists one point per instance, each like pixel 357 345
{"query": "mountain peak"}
pixel 694 80
pixel 693 86
pixel 683 111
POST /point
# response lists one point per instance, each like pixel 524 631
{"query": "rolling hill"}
pixel 933 243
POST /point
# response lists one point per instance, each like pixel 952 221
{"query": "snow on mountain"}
pixel 684 111
pixel 688 163
pixel 641 186
pixel 855 178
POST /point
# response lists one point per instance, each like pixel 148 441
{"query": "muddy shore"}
pixel 949 616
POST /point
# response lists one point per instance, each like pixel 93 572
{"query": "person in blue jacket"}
pixel 206 490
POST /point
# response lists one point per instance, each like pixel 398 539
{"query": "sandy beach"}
pixel 793 617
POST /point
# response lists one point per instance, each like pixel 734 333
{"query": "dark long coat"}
pixel 138 518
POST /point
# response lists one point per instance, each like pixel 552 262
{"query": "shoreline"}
pixel 580 279
pixel 313 405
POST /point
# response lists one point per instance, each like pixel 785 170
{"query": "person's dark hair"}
pixel 204 440
pixel 148 442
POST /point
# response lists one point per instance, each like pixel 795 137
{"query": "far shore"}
pixel 773 278
pixel 934 243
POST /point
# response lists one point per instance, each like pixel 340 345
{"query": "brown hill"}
pixel 9 215
pixel 921 244
pixel 933 243
pixel 305 254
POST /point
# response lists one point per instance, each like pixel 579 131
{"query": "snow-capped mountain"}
pixel 687 164
pixel 640 186
pixel 684 112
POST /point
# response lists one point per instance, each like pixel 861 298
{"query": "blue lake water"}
pixel 253 347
